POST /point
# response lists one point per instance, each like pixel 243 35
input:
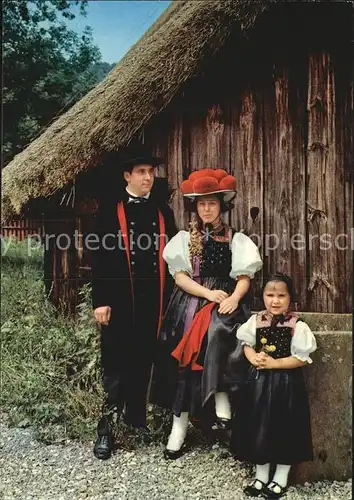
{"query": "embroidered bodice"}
pixel 216 259
pixel 274 341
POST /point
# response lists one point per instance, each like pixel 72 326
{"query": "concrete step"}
pixel 320 322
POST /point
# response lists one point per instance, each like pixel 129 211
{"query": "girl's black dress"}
pixel 272 420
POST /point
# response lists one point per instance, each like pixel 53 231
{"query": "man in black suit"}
pixel 130 288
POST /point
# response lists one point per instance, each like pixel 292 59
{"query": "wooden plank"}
pixel 86 226
pixel 209 137
pixel 247 162
pixel 247 166
pixel 206 136
pixel 69 264
pixel 284 170
pixel 325 200
pixel 61 261
pixel 350 186
pixel 164 135
pixel 345 116
pixel 348 277
pixel 218 136
pixel 80 242
pixel 158 134
pixel 54 295
pixel 48 260
pixel 175 169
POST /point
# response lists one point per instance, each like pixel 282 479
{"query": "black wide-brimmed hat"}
pixel 139 154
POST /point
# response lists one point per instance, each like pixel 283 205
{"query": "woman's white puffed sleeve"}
pixel 245 257
pixel 247 332
pixel 303 342
pixel 176 254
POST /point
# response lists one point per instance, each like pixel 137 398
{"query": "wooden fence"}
pixel 23 228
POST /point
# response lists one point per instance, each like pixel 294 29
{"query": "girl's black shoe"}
pixel 252 491
pixel 274 490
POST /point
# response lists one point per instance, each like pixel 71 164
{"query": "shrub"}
pixel 50 362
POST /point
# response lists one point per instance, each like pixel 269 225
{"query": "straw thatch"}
pixel 141 85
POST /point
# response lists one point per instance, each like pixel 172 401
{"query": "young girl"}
pixel 272 423
pixel 212 266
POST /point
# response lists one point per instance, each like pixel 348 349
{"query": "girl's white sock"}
pixel 222 405
pixel 178 432
pixel 281 474
pixel 262 473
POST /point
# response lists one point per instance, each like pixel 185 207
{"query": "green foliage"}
pixel 50 372
pixel 47 67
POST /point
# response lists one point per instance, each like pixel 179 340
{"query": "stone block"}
pixel 329 384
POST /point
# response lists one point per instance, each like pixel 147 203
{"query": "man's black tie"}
pixel 137 199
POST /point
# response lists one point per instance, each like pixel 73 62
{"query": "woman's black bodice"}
pixel 216 259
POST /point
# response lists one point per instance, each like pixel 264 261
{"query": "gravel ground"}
pixel 32 470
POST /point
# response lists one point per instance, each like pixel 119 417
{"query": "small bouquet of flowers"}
pixel 267 348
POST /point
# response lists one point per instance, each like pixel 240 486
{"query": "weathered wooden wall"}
pixel 67 261
pixel 284 128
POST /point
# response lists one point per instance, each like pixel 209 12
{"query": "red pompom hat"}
pixel 209 181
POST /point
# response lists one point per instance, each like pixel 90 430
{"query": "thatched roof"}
pixel 140 86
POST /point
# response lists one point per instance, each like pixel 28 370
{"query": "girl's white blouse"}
pixel 303 342
pixel 245 258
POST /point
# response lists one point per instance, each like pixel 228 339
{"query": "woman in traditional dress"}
pixel 212 266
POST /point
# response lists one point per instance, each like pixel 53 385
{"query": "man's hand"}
pixel 228 305
pixel 102 314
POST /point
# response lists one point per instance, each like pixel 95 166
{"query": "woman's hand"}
pixel 228 305
pixel 216 296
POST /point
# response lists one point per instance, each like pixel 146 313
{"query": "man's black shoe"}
pixel 104 443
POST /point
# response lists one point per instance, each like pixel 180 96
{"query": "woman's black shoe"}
pixel 252 491
pixel 274 490
pixel 173 455
pixel 223 424
pixel 104 442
